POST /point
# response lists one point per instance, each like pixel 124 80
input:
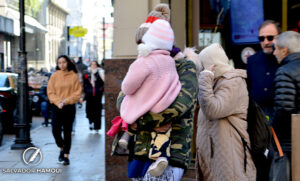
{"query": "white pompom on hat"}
pixel 160 11
pixel 160 36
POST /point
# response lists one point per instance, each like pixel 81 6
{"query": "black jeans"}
pixel 63 118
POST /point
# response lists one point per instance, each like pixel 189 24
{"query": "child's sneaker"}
pixel 123 142
pixel 158 167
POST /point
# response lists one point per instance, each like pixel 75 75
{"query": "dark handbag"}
pixel 280 167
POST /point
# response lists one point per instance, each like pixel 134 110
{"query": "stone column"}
pixel 115 70
pixel 295 147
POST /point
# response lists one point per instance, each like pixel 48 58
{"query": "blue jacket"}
pixel 261 69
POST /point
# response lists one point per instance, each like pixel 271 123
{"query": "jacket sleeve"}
pixel 76 92
pixel 54 99
pixel 284 96
pixel 222 102
pixel 134 78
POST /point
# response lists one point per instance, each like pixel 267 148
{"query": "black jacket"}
pixel 286 96
pixel 88 89
pixel 261 69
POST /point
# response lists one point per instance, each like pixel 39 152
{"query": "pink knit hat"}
pixel 159 36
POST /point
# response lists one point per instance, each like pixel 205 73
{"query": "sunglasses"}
pixel 262 38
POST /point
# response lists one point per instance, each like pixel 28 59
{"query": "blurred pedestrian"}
pixel 79 75
pixel 287 90
pixel 261 67
pixel 63 91
pixel 93 86
pixel 81 67
pixel 223 100
pixel 45 104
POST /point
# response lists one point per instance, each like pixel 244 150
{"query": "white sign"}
pixel 247 52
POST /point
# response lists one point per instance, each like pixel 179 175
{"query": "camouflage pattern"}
pixel 180 113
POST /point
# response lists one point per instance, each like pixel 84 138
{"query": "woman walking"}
pixel 93 85
pixel 64 92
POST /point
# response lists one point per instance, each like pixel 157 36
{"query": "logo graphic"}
pixel 32 156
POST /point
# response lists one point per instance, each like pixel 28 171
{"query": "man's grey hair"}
pixel 290 40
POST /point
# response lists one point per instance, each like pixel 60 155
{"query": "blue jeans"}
pixel 45 108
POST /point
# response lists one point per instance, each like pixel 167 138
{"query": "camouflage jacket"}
pixel 180 113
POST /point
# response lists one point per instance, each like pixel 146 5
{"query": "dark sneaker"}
pixel 66 161
pixel 61 157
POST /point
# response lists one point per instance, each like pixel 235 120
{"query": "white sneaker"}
pixel 157 168
pixel 91 126
pixel 96 131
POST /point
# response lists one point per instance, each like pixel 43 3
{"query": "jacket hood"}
pixel 215 54
pixel 235 73
pixel 190 54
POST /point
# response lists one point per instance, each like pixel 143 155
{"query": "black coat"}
pixel 93 95
pixel 89 90
pixel 286 96
pixel 261 69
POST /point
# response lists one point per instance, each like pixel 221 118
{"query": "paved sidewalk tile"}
pixel 87 156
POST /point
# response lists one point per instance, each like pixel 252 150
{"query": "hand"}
pixel 61 105
pixel 163 129
pixel 211 68
pixel 133 126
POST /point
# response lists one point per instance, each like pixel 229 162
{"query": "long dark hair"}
pixel 71 66
pixel 96 63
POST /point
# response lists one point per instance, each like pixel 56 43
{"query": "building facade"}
pixel 56 37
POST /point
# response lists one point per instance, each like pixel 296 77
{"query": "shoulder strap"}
pixel 277 142
pixel 245 145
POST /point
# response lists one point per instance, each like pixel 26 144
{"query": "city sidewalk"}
pixel 87 156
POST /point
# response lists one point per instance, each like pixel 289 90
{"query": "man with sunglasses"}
pixel 261 68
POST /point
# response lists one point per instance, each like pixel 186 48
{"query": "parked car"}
pixel 8 99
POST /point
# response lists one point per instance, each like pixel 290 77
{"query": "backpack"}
pixel 259 133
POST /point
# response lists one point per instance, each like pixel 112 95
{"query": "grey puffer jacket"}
pixel 286 98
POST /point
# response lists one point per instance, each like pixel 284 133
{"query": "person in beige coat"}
pixel 223 98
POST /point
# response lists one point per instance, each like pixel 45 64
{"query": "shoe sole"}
pixel 159 170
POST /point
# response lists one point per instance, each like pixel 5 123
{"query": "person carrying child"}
pixel 151 84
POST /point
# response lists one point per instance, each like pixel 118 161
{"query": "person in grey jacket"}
pixel 287 86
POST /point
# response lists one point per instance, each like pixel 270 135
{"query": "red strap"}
pixel 151 19
pixel 117 124
pixel 277 142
